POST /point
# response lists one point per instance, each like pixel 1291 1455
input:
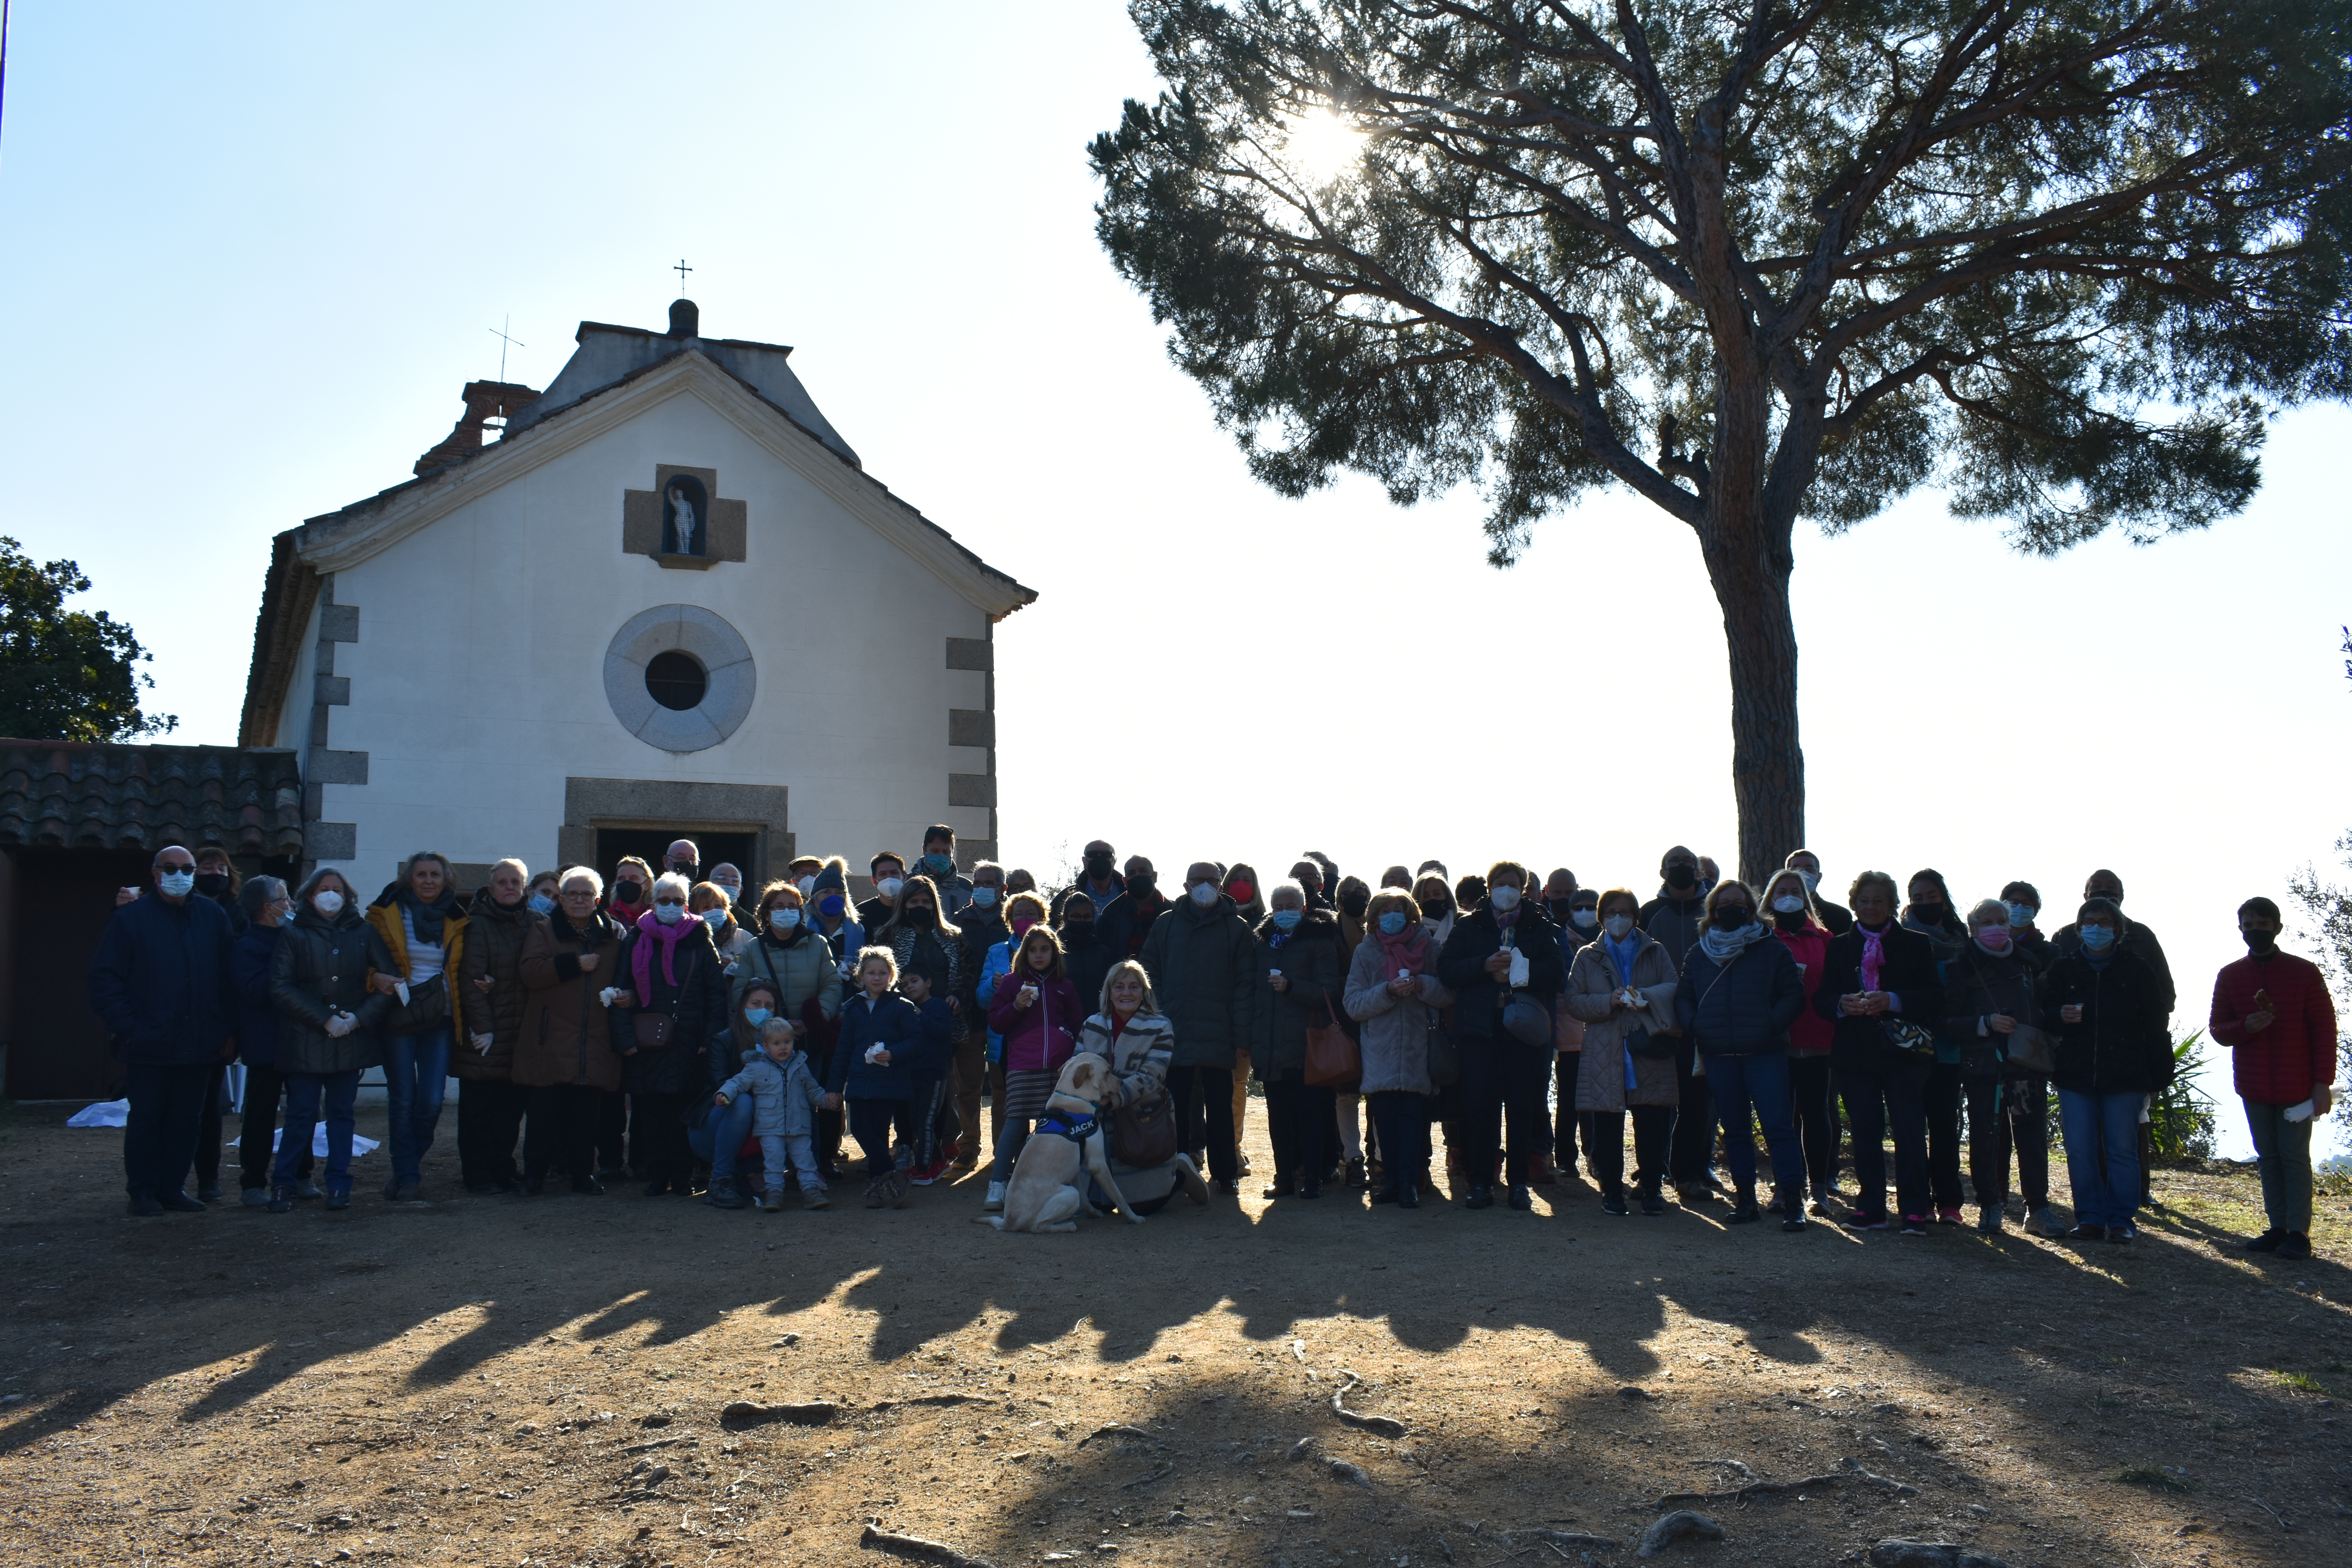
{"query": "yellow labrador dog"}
pixel 1048 1186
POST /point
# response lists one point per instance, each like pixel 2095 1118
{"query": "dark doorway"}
pixel 650 844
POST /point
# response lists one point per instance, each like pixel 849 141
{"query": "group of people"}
pixel 702 1037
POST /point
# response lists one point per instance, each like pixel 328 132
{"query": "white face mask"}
pixel 891 886
pixel 178 883
pixel 1619 926
pixel 784 920
pixel 328 902
pixel 1505 899
pixel 668 914
pixel 807 884
pixel 1204 893
pixel 734 890
pixel 1585 919
pixel 714 919
pixel 1788 904
pixel 1813 880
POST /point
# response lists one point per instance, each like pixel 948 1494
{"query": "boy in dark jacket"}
pixel 880 1038
pixel 2273 1010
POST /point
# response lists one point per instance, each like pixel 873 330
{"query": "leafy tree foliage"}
pixel 64 675
pixel 1754 261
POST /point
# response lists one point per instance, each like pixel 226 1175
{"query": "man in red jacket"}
pixel 2272 1009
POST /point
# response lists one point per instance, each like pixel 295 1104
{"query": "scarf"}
pixel 427 917
pixel 1407 950
pixel 1622 955
pixel 649 925
pixel 1723 946
pixel 1874 954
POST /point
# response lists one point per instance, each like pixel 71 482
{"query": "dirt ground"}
pixel 529 1382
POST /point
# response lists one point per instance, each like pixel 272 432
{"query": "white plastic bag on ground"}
pixel 105 1113
pixel 318 1141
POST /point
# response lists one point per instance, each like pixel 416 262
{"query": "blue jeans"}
pixel 303 1092
pixel 416 1076
pixel 1758 1084
pixel 2106 1193
pixel 719 1139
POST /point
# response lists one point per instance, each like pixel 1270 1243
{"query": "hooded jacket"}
pixel 321 966
pixel 1204 971
pixel 162 982
pixel 2138 940
pixel 493 952
pixel 568 1033
pixel 783 1098
pixel 1313 972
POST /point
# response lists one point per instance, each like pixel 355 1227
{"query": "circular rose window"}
pixel 679 677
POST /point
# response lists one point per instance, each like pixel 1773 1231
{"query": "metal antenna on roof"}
pixel 681 269
pixel 501 333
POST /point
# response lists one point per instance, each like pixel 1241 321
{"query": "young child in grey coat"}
pixel 784 1100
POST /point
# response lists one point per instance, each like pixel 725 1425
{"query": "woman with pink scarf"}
pixel 1393 991
pixel 674 998
pixel 1874 977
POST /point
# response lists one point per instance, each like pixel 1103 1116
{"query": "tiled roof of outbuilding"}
pixel 247 800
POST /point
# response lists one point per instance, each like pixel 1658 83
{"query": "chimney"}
pixel 490 406
pixel 685 321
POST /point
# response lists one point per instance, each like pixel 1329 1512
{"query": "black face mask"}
pixel 2260 943
pixel 1931 911
pixel 1731 917
pixel 1357 903
pixel 212 884
pixel 921 914
pixel 628 893
pixel 1098 867
pixel 1142 883
pixel 1558 909
pixel 684 869
pixel 1681 879
pixel 1437 910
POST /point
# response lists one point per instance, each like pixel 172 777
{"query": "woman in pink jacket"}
pixel 1788 905
pixel 1038 1011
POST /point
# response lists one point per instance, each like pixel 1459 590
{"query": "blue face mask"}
pixel 2098 939
pixel 179 884
pixel 984 897
pixel 286 916
pixel 1392 923
pixel 540 904
pixel 938 865
pixel 714 919
pixel 668 914
pixel 783 920
pixel 755 1016
pixel 1288 919
pixel 2021 914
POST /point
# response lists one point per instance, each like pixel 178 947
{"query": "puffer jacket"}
pixel 385 915
pixel 1600 1069
pixel 2124 1044
pixel 321 966
pixel 1809 1032
pixel 1043 1036
pixel 2279 1065
pixel 1478 995
pixel 1138 1054
pixel 695 998
pixel 801 970
pixel 568 1033
pixel 1977 986
pixel 495 934
pixel 1313 973
pixel 893 1023
pixel 1204 971
pixel 1740 1008
pixel 784 1095
pixel 163 980
pixel 1395 1038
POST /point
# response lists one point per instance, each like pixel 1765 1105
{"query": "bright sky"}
pixel 255 250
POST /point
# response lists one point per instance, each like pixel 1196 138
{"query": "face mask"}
pixel 1731 917
pixel 938 865
pixel 1813 880
pixel 832 904
pixel 1504 898
pixel 1619 926
pixel 1679 878
pixel 783 920
pixel 1356 903
pixel 285 917
pixel 1288 919
pixel 1142 883
pixel 891 886
pixel 179 884
pixel 328 903
pixel 1098 867
pixel 2260 943
pixel 212 884
pixel 1993 939
pixel 1788 904
pixel 1392 923
pixel 683 868
pixel 628 893
pixel 1204 893
pixel 1932 910
pixel 540 904
pixel 921 913
pixel 1021 927
pixel 714 919
pixel 2098 938
pixel 734 890
pixel 2021 914
pixel 1585 919
pixel 1558 909
pixel 1438 912
pixel 668 914
pixel 807 885
pixel 984 897
pixel 755 1016
pixel 1243 892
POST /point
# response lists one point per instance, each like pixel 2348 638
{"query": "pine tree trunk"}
pixel 1767 766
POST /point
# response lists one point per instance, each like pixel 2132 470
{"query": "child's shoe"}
pixel 814 1198
pixel 773 1201
pixel 878 1189
pixel 995 1204
pixel 724 1197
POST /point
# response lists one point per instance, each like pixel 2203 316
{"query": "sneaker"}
pixel 1482 1196
pixel 1988 1219
pixel 1614 1202
pixel 1540 1171
pixel 1948 1215
pixel 2087 1233
pixel 1914 1224
pixel 1654 1204
pixel 258 1198
pixel 900 1190
pixel 723 1198
pixel 409 1193
pixel 773 1201
pixel 1358 1179
pixel 2294 1246
pixel 1793 1223
pixel 144 1208
pixel 1194 1187
pixel 995 1204
pixel 2043 1222
pixel 277 1200
pixel 1865 1222
pixel 306 1189
pixel 1244 1161
pixel 2267 1242
pixel 876 1187
pixel 2123 1232
pixel 179 1201
pixel 339 1198
pixel 1821 1206
pixel 209 1192
pixel 814 1198
pixel 1519 1198
pixel 1225 1189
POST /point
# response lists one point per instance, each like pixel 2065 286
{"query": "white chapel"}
pixel 639 605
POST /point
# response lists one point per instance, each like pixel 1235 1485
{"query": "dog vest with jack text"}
pixel 1062 1124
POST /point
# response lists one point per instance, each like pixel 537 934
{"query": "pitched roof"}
pixel 72 795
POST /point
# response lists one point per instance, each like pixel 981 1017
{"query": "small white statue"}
pixel 683 511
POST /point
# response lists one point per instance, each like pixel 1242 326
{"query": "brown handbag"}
pixel 1333 1060
pixel 1145 1137
pixel 652 1030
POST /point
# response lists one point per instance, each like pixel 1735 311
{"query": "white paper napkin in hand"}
pixel 2303 1112
pixel 1518 967
pixel 399 989
pixel 606 994
pixel 873 1051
